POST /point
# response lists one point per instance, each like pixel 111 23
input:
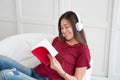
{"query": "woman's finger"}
pixel 49 56
pixel 51 59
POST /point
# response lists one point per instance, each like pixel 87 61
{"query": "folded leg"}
pixel 9 74
pixel 8 63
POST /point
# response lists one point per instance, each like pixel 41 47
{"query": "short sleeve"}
pixel 83 59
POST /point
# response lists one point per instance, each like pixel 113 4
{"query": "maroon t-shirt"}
pixel 70 58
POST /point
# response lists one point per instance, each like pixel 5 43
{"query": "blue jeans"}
pixel 12 70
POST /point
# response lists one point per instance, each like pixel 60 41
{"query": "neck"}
pixel 72 42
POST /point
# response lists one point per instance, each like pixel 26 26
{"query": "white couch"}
pixel 16 48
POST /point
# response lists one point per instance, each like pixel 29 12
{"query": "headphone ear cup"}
pixel 79 26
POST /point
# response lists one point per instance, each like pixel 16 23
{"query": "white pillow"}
pixel 15 48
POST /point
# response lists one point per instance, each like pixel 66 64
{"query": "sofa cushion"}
pixel 30 62
pixel 17 48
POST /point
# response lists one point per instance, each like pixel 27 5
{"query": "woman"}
pixel 71 62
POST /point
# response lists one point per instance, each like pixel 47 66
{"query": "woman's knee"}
pixel 5 63
pixel 2 57
pixel 2 60
pixel 5 59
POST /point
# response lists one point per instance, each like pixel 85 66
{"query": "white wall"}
pixel 23 16
pixel 38 15
pixel 7 18
pixel 114 68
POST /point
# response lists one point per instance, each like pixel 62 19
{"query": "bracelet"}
pixel 63 75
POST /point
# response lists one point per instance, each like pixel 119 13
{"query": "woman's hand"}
pixel 55 65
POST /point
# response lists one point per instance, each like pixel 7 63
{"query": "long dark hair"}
pixel 72 17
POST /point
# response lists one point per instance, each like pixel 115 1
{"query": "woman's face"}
pixel 66 29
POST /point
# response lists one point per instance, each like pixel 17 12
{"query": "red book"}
pixel 42 49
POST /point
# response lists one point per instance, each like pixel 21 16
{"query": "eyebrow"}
pixel 64 25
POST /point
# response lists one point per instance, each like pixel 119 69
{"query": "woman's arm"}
pixel 79 72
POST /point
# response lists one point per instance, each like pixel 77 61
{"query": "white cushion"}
pixel 30 62
pixel 16 47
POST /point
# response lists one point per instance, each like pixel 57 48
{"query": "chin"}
pixel 68 39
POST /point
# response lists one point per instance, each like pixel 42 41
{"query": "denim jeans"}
pixel 12 70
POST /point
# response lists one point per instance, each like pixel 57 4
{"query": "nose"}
pixel 63 30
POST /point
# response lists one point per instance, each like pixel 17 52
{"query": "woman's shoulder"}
pixel 80 45
pixel 55 37
pixel 55 40
pixel 83 47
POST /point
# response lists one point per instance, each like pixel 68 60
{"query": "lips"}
pixel 65 35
